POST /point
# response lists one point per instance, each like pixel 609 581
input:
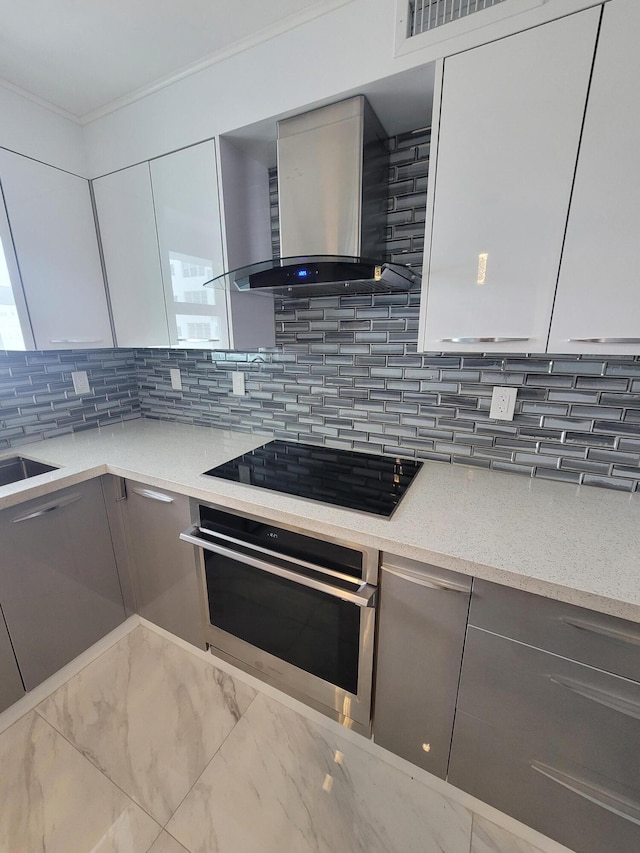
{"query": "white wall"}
pixel 28 128
pixel 333 54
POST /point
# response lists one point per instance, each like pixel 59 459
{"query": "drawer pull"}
pixel 429 582
pixel 603 340
pixel 481 340
pixel 45 508
pixel 153 495
pixel 609 700
pixel 606 799
pixel 604 630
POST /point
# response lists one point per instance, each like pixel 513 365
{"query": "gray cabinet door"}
pixel 165 578
pixel 423 617
pixel 11 688
pixel 59 585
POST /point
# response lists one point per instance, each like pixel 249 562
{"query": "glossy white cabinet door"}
pixel 124 202
pixel 185 197
pixel 598 291
pixel 55 240
pixel 15 327
pixel 511 113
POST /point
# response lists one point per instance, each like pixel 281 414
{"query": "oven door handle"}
pixel 266 552
pixel 364 596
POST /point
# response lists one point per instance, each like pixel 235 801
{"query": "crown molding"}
pixel 41 102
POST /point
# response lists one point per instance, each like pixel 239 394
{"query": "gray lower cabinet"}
pixel 59 586
pixel 552 741
pixel 11 687
pixel 164 572
pixel 422 622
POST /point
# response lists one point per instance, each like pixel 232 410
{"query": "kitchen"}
pixel 358 357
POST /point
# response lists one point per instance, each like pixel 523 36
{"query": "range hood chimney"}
pixel 332 192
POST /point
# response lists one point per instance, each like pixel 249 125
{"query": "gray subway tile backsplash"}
pixel 345 372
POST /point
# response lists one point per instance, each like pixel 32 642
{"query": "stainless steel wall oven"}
pixel 294 609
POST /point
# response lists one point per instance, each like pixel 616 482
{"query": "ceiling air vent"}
pixel 425 15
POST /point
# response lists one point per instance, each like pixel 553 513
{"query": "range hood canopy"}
pixel 318 275
pixel 332 196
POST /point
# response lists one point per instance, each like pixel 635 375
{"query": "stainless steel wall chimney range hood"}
pixel 332 189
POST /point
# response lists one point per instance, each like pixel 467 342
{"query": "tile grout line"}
pixel 100 771
pixel 210 760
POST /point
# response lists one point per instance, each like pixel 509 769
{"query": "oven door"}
pixel 305 629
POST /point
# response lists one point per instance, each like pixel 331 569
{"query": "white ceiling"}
pixel 85 56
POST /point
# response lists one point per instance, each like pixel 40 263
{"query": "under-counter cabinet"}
pixel 164 571
pixel 53 231
pixel 508 119
pixel 598 300
pixel 11 687
pixel 422 623
pixel 548 718
pixel 59 586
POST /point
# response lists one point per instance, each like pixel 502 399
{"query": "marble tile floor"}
pixel 152 748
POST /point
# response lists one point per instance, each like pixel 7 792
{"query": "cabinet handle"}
pixel 76 341
pixel 152 495
pixel 480 340
pixel 604 630
pixel 200 340
pixel 602 697
pixel 429 582
pixel 606 799
pixel 603 340
pixel 43 510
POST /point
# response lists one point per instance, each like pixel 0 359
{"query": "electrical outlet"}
pixel 176 379
pixel 503 403
pixel 238 384
pixel 80 382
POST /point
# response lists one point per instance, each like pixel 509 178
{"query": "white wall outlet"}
pixel 503 403
pixel 176 379
pixel 80 382
pixel 238 384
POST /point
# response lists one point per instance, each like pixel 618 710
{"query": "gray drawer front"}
pixel 498 767
pixel 573 632
pixel 571 711
pixel 420 639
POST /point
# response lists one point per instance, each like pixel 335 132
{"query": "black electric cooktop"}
pixel 361 481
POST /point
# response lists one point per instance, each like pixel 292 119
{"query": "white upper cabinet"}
pixel 509 128
pixel 54 235
pixel 15 328
pixel 185 197
pixel 162 239
pixel 124 202
pixel 598 301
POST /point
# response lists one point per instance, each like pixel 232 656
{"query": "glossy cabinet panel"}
pixel 54 234
pixel 422 623
pixel 11 688
pixel 593 638
pixel 15 326
pixel 164 572
pixel 506 151
pixel 124 202
pixel 568 802
pixel 59 586
pixel 571 712
pixel 598 300
pixel 185 198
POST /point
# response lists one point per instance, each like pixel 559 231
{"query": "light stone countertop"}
pixel 577 544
